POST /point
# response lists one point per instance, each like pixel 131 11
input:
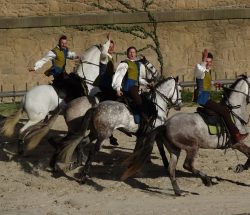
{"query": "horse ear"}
pixel 177 78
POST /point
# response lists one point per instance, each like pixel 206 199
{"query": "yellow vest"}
pixel 207 85
pixel 133 70
pixel 60 60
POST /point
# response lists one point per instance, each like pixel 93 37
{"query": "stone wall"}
pixel 180 42
pixel 17 8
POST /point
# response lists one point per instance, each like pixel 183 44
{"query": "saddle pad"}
pixel 213 122
pixel 214 130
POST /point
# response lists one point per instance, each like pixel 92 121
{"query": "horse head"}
pixel 89 67
pixel 239 91
pixel 237 97
pixel 170 92
pixel 152 73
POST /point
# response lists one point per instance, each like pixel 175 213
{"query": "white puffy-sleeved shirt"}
pixel 199 71
pixel 105 56
pixel 50 56
pixel 121 72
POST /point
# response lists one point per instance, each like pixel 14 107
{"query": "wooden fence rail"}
pixel 185 84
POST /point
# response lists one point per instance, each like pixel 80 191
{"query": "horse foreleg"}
pixel 20 146
pixel 174 155
pixel 189 165
pixel 139 144
pixel 92 152
pixel 24 131
pixel 159 142
pixel 246 151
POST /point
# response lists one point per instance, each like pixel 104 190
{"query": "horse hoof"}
pixel 239 168
pixel 83 180
pixel 179 193
pixel 73 166
pixel 207 181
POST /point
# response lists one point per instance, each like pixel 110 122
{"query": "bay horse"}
pixel 189 132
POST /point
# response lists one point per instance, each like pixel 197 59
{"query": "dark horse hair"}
pixel 62 37
pixel 129 48
pixel 227 91
pixel 163 79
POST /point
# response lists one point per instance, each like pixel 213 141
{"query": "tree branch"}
pixel 135 30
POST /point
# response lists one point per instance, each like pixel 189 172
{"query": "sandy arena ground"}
pixel 28 186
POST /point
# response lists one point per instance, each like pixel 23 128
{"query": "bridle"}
pixel 90 63
pixel 150 69
pixel 231 107
pixel 168 100
pixel 84 76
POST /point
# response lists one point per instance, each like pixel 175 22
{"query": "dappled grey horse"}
pixel 189 132
pixel 111 115
pixel 77 108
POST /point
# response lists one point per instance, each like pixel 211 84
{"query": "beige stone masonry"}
pixel 124 18
pixel 28 29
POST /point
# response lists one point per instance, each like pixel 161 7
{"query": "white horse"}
pixel 41 100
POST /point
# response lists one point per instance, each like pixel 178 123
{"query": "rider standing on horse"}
pixel 204 85
pixel 62 80
pixel 130 70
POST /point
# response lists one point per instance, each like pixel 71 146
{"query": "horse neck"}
pixel 239 100
pixel 79 71
pixel 161 103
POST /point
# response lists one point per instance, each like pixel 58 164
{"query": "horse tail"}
pixel 64 156
pixel 135 161
pixel 39 131
pixel 11 121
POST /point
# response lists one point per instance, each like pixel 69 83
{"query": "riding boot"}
pixel 144 124
pixel 224 112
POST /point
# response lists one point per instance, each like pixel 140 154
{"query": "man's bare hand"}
pixel 119 93
pixel 204 55
pixel 109 36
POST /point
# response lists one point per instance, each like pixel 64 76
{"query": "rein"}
pixel 231 107
pixel 169 102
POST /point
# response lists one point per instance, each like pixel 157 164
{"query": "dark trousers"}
pixel 107 94
pixel 224 112
pixel 70 84
pixel 134 94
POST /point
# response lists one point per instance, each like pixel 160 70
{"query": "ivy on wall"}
pixel 136 30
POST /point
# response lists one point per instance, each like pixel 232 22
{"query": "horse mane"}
pixel 162 80
pixel 227 91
